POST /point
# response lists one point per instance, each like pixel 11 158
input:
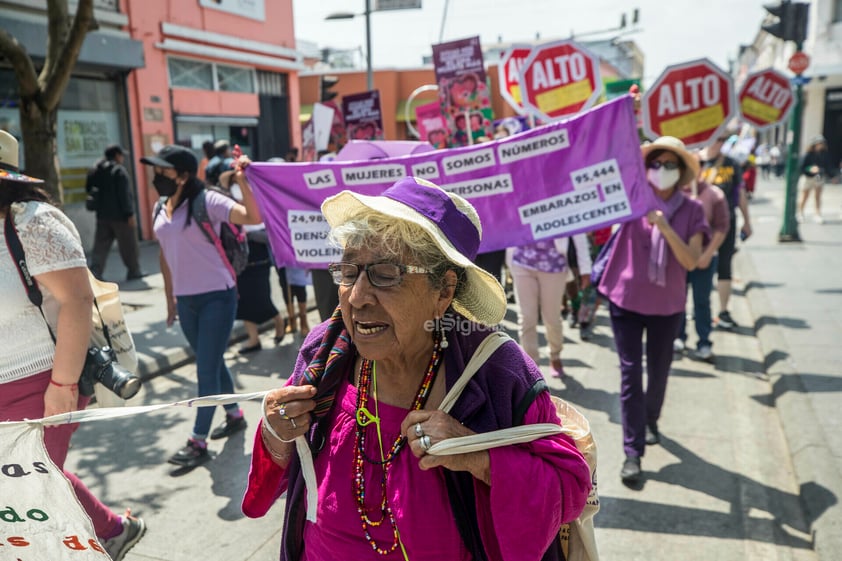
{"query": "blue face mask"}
pixel 166 186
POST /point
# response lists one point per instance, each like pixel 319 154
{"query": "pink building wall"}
pixel 151 100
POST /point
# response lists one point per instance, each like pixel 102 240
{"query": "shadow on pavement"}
pixel 799 383
pixel 230 460
pixel 791 323
pixel 592 399
pixel 780 509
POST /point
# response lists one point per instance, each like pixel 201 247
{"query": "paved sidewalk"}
pixel 795 295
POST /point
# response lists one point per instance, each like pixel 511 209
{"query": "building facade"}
pixel 165 71
pixel 94 111
pixel 215 69
pixel 823 93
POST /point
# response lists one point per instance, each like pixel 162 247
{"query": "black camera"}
pixel 101 366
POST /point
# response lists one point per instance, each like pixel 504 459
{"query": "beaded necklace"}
pixel 365 418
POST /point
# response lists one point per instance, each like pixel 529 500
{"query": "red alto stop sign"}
pixel 692 101
pixel 765 98
pixel 559 79
pixel 508 71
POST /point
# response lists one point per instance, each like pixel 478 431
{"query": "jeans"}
pixel 206 320
pixel 702 282
pixel 640 407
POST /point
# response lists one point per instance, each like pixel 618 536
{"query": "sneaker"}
pixel 190 456
pixel 678 346
pixel 819 219
pixel 119 545
pixel 557 368
pixel 228 427
pixel 631 471
pixel 704 353
pixel 135 275
pixel 652 434
pixel 726 321
pixel 799 218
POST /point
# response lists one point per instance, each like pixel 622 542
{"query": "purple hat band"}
pixel 439 208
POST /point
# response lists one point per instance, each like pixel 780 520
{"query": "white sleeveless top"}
pixel 51 243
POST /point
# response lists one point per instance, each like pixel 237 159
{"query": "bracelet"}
pixel 276 455
pixel 74 385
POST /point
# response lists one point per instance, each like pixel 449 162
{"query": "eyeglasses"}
pixel 380 275
pixel 655 164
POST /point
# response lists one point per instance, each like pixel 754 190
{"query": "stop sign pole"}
pixel 789 227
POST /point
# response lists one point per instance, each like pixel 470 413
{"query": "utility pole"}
pixel 791 26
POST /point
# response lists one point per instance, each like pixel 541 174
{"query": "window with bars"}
pixel 191 74
pixel 200 75
pixel 235 79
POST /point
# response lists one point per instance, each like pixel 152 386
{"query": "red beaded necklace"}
pixel 364 418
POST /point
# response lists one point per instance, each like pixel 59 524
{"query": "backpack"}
pixel 230 243
pixel 94 184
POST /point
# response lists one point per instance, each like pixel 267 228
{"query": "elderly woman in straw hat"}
pixel 645 282
pixel 366 390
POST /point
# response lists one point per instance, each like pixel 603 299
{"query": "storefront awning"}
pixel 218 120
pixel 107 51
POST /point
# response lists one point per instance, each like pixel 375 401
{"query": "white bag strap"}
pixel 483 353
pixel 491 439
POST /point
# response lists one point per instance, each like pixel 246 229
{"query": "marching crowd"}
pixel 380 381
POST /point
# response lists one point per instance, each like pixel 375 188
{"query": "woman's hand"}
pixel 172 310
pixel 288 411
pixel 656 218
pixel 436 426
pixel 60 399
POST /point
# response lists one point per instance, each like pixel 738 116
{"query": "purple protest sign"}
pixel 363 119
pixel 559 179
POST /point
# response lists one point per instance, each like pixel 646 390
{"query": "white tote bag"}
pixel 40 516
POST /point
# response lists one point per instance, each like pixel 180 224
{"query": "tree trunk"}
pixel 39 142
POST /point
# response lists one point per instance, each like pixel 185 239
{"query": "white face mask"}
pixel 663 179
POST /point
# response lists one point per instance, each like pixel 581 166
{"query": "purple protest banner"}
pixel 363 119
pixel 559 179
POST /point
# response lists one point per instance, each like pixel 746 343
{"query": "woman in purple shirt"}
pixel 200 287
pixel 645 281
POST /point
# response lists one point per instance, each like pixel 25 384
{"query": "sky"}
pixel 668 31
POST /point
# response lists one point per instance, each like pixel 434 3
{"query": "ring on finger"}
pixel 425 442
pixel 282 411
pixel 291 420
pixel 419 432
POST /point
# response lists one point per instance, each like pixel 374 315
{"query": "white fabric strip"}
pixel 493 439
pixel 98 414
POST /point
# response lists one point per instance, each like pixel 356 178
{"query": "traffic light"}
pixel 792 20
pixel 326 83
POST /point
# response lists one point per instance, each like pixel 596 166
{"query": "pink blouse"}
pixel 526 483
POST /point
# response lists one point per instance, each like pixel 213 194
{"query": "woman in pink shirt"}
pixel 645 283
pixel 366 390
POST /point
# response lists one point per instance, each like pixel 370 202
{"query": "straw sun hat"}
pixel 9 168
pixel 450 221
pixel 674 145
